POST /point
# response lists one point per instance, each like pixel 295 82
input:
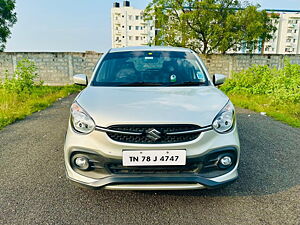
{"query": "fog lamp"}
pixel 225 162
pixel 82 163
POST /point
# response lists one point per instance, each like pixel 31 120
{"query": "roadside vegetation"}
pixel 21 95
pixel 270 90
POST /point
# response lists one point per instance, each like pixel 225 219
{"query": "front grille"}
pixel 189 168
pixel 164 138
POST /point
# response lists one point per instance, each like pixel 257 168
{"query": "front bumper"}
pixel 100 144
pixel 186 182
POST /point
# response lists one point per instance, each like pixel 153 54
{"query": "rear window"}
pixel 147 68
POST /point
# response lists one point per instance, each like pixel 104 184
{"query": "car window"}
pixel 140 68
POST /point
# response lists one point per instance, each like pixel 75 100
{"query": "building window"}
pixel 289 31
pixel 151 28
pixel 295 31
pixel 122 26
pixel 129 27
pixel 141 28
pixel 130 38
pixel 142 17
pixel 123 36
pixel 136 17
pixel 136 27
pixel 273 49
pixel 288 40
pixel 122 16
pixel 136 38
pixel 294 40
pixel 130 17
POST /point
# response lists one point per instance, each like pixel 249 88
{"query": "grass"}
pixel 268 89
pixel 15 107
pixel 287 112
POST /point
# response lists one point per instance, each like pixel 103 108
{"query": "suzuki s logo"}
pixel 153 134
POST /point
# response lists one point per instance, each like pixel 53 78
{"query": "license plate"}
pixel 154 158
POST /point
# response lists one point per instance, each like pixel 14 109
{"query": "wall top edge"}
pixel 49 52
pixel 100 53
pixel 248 54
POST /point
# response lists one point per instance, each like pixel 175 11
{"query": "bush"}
pixel 280 84
pixel 22 80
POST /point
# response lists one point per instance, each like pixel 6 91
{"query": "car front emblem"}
pixel 153 134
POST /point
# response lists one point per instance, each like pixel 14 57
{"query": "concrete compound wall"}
pixel 54 68
pixel 57 68
pixel 226 64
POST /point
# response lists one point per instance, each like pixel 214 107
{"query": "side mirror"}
pixel 219 79
pixel 80 79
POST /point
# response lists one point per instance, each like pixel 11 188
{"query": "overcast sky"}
pixel 78 25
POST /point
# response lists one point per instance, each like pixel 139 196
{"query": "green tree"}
pixel 209 26
pixel 8 18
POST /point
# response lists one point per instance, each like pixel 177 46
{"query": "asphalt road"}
pixel 34 189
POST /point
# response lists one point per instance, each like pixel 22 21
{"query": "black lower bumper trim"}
pixel 114 180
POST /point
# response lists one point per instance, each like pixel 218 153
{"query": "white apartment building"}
pixel 287 37
pixel 129 27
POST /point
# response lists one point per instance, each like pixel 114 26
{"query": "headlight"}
pixel 224 121
pixel 80 119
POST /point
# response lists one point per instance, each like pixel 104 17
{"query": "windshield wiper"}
pixel 142 83
pixel 188 83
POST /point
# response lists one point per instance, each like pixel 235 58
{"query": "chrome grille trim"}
pixel 103 129
pixel 117 131
pixel 191 131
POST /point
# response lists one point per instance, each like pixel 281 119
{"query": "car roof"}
pixel 149 48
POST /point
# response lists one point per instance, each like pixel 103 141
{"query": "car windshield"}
pixel 150 68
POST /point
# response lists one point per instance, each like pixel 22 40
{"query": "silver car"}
pixel 151 118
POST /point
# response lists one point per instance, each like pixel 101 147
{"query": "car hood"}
pixel 152 105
